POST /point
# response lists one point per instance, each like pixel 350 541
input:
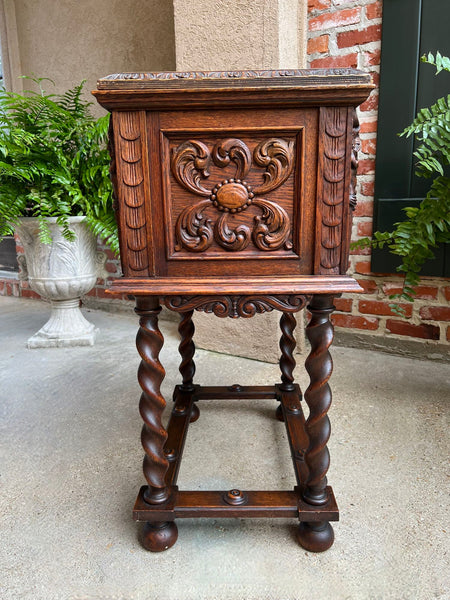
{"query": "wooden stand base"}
pixel 311 501
pixel 160 532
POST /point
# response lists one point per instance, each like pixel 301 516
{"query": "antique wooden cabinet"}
pixel 234 195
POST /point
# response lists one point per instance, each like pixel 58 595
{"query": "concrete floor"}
pixel 71 467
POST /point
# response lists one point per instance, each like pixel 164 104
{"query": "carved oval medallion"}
pixel 231 195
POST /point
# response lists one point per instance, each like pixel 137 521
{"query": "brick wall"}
pixel 347 33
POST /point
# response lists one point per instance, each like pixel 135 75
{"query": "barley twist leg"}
pixel 186 348
pixel 318 536
pixel 149 341
pixel 287 362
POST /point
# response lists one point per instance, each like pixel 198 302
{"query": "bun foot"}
pixel 195 413
pixel 158 537
pixel 279 413
pixel 315 537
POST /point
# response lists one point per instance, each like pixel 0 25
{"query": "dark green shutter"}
pixel 411 28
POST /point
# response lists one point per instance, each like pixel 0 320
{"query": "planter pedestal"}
pixel 65 327
pixel 61 273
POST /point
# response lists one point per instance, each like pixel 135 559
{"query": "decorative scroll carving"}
pixel 236 306
pixel 332 186
pixel 277 156
pixel 231 239
pixel 193 230
pixel 132 180
pixel 233 150
pixel 271 230
pixel 356 146
pixel 190 164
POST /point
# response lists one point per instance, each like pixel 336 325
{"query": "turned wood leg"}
pixel 287 360
pixel 149 342
pixel 317 537
pixel 186 348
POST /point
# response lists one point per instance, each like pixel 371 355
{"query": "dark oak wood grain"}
pixel 234 194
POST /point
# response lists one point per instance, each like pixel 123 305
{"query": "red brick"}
pixel 366 166
pixel 364 208
pixel 343 304
pixel 348 60
pixel 318 4
pixel 19 249
pixel 367 188
pixel 375 10
pixel 423 292
pixel 368 126
pixel 424 331
pixel 378 307
pixel 435 313
pixel 29 294
pixel 369 285
pixel 361 252
pixel 318 44
pixel 365 228
pixel 369 146
pixel 355 37
pixel 363 267
pixel 355 322
pixel 375 78
pixel 446 291
pixel 2 286
pixel 110 254
pixel 370 104
pixel 101 293
pixel 111 267
pixel 373 59
pixel 335 19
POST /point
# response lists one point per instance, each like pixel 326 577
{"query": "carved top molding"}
pixel 236 79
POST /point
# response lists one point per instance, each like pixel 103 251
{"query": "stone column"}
pixel 227 35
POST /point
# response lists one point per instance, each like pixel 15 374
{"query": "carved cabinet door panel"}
pixel 234 194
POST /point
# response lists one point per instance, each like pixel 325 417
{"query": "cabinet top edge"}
pixel 231 80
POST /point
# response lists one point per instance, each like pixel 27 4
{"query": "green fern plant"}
pixel 54 163
pixel 427 225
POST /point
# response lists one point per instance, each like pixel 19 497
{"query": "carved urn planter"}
pixel 61 272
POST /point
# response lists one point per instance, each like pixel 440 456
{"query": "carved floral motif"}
pixel 236 306
pixel 190 165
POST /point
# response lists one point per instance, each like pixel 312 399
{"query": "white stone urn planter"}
pixel 61 273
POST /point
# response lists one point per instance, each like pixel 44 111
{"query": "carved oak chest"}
pixel 235 174
pixel 234 195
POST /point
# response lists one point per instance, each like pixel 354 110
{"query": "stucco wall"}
pixel 69 41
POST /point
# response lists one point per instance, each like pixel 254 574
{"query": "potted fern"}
pixel 55 192
pixel 428 225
